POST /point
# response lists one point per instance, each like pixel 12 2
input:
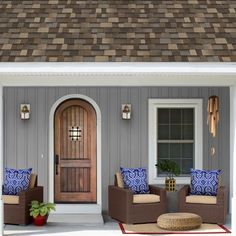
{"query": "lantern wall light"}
pixel 25 111
pixel 126 111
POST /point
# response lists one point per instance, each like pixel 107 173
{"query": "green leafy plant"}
pixel 169 167
pixel 41 208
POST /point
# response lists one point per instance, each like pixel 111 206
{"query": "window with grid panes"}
pixel 175 137
pixel 175 128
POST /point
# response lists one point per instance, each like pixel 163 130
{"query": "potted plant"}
pixel 40 211
pixel 171 169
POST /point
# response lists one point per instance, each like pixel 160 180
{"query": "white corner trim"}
pixel 152 127
pixel 79 208
pixel 1 159
pixel 232 188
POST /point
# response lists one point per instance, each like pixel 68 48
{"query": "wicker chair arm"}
pixel 25 197
pixel 121 195
pixel 184 191
pixel 158 191
pixel 222 195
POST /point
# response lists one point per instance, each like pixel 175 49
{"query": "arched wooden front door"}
pixel 75 152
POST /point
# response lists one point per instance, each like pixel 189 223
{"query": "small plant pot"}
pixel 40 220
pixel 170 185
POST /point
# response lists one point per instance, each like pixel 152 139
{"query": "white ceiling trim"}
pixel 117 74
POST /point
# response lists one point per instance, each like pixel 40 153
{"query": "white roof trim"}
pixel 117 74
pixel 117 67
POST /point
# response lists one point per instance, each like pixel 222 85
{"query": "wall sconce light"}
pixel 126 111
pixel 24 111
pixel 213 114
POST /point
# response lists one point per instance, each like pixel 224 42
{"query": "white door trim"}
pixel 75 208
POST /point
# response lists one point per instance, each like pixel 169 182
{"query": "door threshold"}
pixel 78 209
pixel 77 219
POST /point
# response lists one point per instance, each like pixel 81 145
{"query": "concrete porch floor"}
pixel 73 219
pixel 110 227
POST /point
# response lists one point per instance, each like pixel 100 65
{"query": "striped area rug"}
pixel 154 229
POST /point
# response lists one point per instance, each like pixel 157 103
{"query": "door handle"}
pixel 56 163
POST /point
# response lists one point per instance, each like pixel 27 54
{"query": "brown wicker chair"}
pixel 122 208
pixel 210 213
pixel 16 208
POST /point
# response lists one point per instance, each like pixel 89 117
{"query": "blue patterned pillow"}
pixel 16 180
pixel 135 179
pixel 204 182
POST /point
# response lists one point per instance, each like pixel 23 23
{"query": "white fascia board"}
pixel 117 67
pixel 122 80
pixel 118 74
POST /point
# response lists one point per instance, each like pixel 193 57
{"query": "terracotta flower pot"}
pixel 40 220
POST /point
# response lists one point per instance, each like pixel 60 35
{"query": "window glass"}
pixel 175 137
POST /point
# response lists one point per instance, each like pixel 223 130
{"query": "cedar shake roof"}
pixel 118 30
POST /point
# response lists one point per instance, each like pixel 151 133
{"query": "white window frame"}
pixel 153 104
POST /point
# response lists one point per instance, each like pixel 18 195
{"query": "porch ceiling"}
pixel 118 30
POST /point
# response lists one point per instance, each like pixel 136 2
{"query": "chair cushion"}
pixel 201 199
pixel 119 179
pixel 204 182
pixel 135 179
pixel 32 182
pixel 16 180
pixel 146 198
pixel 10 199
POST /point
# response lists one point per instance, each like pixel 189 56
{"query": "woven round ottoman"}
pixel 179 221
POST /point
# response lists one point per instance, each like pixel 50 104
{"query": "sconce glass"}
pixel 126 111
pixel 25 111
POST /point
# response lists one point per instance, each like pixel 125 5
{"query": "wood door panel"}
pixel 73 197
pixel 75 180
pixel 74 116
pixel 76 176
pixel 76 163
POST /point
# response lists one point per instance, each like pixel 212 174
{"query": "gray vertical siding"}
pixel 124 143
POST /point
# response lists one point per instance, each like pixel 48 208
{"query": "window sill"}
pixel 161 180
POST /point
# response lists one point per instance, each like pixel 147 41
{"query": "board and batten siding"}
pixel 124 142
